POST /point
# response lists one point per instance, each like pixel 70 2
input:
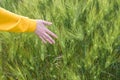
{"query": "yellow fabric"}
pixel 15 23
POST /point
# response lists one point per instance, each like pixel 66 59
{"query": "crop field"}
pixel 87 48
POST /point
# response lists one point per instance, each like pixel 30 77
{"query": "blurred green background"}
pixel 87 48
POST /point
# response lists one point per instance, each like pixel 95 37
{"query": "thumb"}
pixel 46 22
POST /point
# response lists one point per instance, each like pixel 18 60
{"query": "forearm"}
pixel 15 23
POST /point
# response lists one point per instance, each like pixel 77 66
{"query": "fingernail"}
pixel 50 23
pixel 50 42
pixel 56 37
pixel 53 42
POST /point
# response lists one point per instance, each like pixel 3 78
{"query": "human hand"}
pixel 43 32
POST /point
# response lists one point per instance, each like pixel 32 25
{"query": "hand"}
pixel 44 33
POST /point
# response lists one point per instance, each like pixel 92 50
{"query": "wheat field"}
pixel 87 48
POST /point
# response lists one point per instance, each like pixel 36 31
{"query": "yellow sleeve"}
pixel 15 23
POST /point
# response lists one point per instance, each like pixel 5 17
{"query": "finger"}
pixel 42 39
pixel 51 33
pixel 48 38
pixel 46 22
